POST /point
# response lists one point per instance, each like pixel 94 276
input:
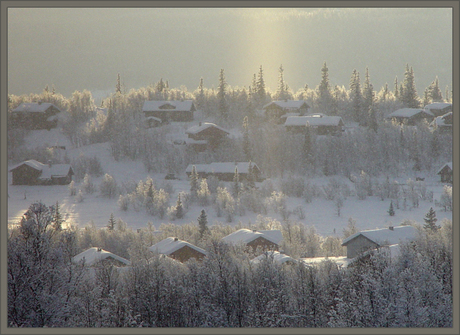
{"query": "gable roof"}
pixel 94 255
pixel 246 236
pixel 438 105
pixel 171 244
pixel 203 126
pixel 287 104
pixel 443 120
pixel 178 105
pixel 32 163
pixel 408 112
pixel 449 165
pixel 386 236
pixel 34 107
pixel 221 167
pixel 277 257
pixel 313 120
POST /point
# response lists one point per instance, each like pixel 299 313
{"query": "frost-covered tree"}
pixel 324 90
pixel 108 186
pixel 222 97
pixel 356 97
pixel 391 211
pixel 430 220
pixel 203 223
pixel 409 97
pixel 194 182
pixel 179 209
pixel 112 223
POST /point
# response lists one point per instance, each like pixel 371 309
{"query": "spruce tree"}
pixel 236 183
pixel 391 211
pixel 222 96
pixel 434 92
pixel 261 93
pixel 179 208
pixel 282 93
pixel 251 178
pixel 356 96
pixel 396 93
pixel 368 97
pixel 430 220
pixel 111 224
pixel 324 89
pixel 194 182
pixel 203 223
pixel 409 95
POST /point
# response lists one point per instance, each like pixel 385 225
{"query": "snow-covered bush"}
pixel 79 198
pixel 72 188
pixel 123 202
pixel 293 186
pixel 108 186
pixel 203 193
pixel 87 185
pixel 446 198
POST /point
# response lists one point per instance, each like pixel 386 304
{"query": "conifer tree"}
pixel 251 178
pixel 222 96
pixel 111 224
pixel 179 208
pixel 391 211
pixel 356 96
pixel 373 124
pixel 203 223
pixel 236 183
pixel 430 221
pixel 57 219
pixel 194 182
pixel 434 92
pixel 261 93
pixel 409 95
pixel 368 97
pixel 282 92
pixel 396 93
pixel 324 89
pixel 246 142
pixel 118 86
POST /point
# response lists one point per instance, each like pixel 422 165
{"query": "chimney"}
pixel 391 228
pixel 176 239
pixel 99 249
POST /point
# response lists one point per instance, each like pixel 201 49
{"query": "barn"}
pixel 35 115
pixel 32 172
pixel 446 173
pixel 179 250
pixel 372 239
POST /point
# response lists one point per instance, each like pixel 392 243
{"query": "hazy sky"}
pixel 84 48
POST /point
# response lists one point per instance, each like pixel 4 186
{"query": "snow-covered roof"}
pixel 223 167
pixel 449 165
pixel 55 170
pixel 275 235
pixel 172 244
pixel 408 112
pixel 342 261
pixel 288 104
pixel 313 120
pixel 153 118
pixel 277 257
pixel 32 163
pixel 386 236
pixel 205 125
pixel 34 107
pixel 438 105
pixel 192 141
pixel 161 105
pixel 94 255
pixel 285 116
pixel 245 236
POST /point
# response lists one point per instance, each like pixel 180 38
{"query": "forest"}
pixel 46 289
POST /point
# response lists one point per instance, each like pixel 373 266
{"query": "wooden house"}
pixel 439 108
pixel 35 115
pixel 367 240
pixel 32 172
pixel 177 249
pixel 205 134
pixel 321 124
pixel 265 239
pixel 170 110
pixel 446 173
pixel 274 110
pixel 410 116
pixel 96 256
pixel 225 171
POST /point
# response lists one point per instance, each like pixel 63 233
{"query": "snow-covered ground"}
pixel 370 213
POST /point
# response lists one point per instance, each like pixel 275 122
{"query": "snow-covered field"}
pixel 321 213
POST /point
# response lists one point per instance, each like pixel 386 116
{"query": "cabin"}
pixel 439 108
pixel 97 256
pixel 410 116
pixel 367 240
pixel 225 171
pixel 35 115
pixel 170 110
pixel 204 134
pixel 274 110
pixel 152 122
pixel 321 124
pixel 265 240
pixel 446 173
pixel 32 172
pixel 179 250
pixel 275 257
pixel 443 122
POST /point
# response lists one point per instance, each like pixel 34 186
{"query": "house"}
pixel 177 249
pixel 32 172
pixel 446 173
pixel 35 115
pixel 274 256
pixel 274 110
pixel 170 110
pixel 205 133
pixel 320 123
pixel 439 108
pixel 95 255
pixel 371 239
pixel 265 239
pixel 225 171
pixel 410 116
pixel 443 122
